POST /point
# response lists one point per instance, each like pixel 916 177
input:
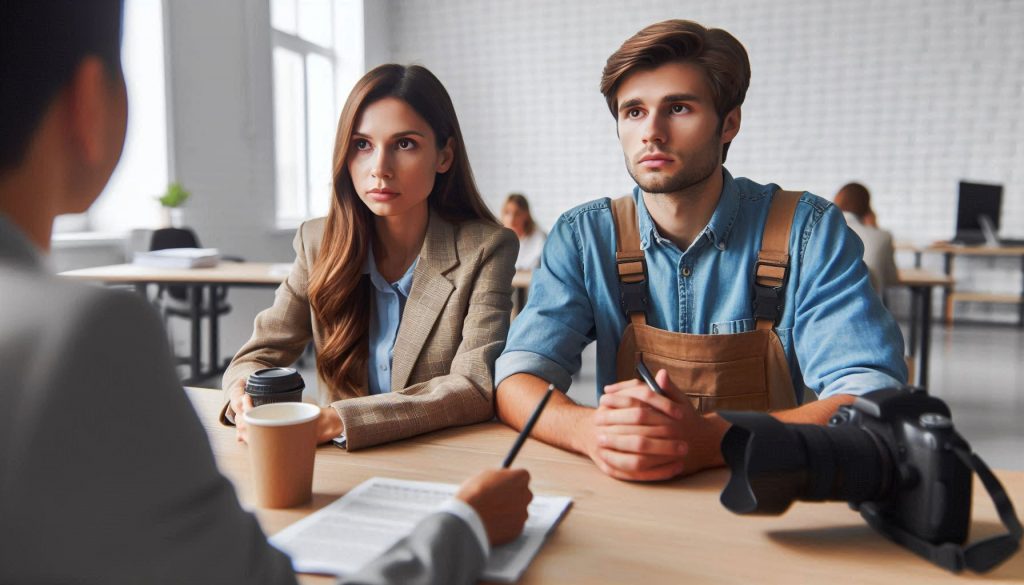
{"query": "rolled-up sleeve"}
pixel 846 341
pixel 548 336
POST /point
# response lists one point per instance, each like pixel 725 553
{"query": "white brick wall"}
pixel 908 97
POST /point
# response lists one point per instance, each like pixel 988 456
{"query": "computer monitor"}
pixel 977 211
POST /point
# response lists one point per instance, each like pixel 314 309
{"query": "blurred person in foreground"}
pixel 106 475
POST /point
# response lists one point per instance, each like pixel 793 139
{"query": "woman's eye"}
pixel 405 144
pixel 679 108
pixel 634 113
pixel 361 144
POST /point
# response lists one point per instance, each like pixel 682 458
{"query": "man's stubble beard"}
pixel 694 172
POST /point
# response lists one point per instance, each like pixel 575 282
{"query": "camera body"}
pixel 890 455
pixel 929 487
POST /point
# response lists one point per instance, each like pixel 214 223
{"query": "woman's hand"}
pixel 329 425
pixel 240 403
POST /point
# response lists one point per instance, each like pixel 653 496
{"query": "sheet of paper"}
pixel 281 269
pixel 342 537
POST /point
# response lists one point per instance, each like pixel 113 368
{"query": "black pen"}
pixel 526 429
pixel 649 378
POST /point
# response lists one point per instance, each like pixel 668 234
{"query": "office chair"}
pixel 173 300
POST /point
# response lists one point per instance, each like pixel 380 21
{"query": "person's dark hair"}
pixel 42 43
pixel 519 200
pixel 719 55
pixel 854 198
pixel 338 293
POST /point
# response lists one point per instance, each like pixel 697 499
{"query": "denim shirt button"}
pixel 687 271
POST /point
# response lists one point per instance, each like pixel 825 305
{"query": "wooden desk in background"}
pixel 920 282
pixel 619 532
pixel 244 274
pixel 949 253
pixel 520 286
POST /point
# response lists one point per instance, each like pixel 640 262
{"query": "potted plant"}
pixel 171 202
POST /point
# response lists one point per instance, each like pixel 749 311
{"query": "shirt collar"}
pixel 725 214
pixel 17 248
pixel 718 228
pixel 403 285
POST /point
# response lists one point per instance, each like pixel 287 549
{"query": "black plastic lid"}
pixel 273 381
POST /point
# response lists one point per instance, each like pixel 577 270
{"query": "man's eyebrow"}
pixel 630 104
pixel 675 97
pixel 680 97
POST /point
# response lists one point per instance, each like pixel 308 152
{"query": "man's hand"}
pixel 500 497
pixel 641 436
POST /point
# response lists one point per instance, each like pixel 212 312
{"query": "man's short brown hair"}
pixel 722 58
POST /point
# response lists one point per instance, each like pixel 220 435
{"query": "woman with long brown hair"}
pixel 405 287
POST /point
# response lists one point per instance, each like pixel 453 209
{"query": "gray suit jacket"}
pixel 453 328
pixel 106 475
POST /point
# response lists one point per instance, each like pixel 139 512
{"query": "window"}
pixel 127 202
pixel 317 57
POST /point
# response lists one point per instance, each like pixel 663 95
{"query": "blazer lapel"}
pixel 427 298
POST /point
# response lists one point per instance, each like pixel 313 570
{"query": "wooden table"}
pixel 920 282
pixel 950 252
pixel 246 274
pixel 520 286
pixel 618 532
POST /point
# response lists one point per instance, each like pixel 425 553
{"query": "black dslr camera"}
pixel 893 455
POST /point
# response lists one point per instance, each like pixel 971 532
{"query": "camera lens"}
pixel 773 464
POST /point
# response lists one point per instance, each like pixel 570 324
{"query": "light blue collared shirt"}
pixel 386 307
pixel 837 335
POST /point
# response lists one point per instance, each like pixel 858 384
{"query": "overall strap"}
pixel 772 266
pixel 630 261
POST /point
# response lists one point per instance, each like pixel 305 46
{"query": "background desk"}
pixel 619 532
pixel 950 253
pixel 920 282
pixel 251 274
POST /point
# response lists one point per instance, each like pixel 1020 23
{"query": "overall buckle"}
pixel 768 298
pixel 633 295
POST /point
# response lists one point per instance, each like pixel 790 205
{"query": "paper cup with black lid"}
pixel 271 385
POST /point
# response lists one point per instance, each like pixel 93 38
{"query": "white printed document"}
pixel 178 258
pixel 344 536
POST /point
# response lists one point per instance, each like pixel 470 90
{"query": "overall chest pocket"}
pixel 729 327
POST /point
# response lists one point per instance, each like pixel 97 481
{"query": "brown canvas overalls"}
pixel 739 371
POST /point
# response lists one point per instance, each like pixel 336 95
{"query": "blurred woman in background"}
pixel 515 214
pixel 879 255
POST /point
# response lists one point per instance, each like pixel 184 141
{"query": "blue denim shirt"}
pixel 837 335
pixel 386 307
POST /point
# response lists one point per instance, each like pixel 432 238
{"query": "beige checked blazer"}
pixel 453 328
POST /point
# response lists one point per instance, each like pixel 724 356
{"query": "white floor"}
pixel 979 371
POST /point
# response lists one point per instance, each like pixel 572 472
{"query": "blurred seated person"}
pixel 515 215
pixel 855 202
pixel 106 474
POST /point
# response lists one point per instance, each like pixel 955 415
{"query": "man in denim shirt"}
pixel 675 89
